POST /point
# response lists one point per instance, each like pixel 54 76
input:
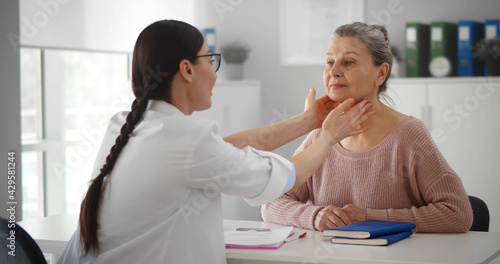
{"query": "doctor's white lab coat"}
pixel 161 203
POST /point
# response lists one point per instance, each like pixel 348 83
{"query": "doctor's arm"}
pixel 342 122
pixel 273 136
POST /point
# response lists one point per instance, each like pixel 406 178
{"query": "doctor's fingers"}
pixel 328 103
pixel 357 115
pixel 357 111
pixel 344 120
pixel 361 129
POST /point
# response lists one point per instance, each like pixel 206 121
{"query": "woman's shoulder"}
pixel 313 135
pixel 412 132
pixel 411 126
pixel 408 122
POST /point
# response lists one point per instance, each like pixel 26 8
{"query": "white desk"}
pixel 52 233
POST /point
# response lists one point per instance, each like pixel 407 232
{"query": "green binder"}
pixel 417 49
pixel 444 43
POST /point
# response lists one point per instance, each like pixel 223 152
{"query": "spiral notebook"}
pixel 253 239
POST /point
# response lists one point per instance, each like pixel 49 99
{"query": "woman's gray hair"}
pixel 375 39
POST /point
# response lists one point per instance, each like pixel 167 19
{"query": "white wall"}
pixel 10 104
pixel 111 25
pixel 284 89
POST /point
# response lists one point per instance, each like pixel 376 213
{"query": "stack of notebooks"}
pixel 377 233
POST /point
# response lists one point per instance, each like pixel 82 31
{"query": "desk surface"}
pixel 53 233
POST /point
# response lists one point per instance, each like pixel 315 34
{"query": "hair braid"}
pixel 157 53
pixel 90 205
pixel 132 119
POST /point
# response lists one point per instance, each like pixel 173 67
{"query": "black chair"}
pixel 481 220
pixel 26 249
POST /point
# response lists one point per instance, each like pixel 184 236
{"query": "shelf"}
pixel 238 83
pixel 422 80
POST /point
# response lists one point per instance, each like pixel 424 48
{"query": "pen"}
pixel 295 237
pixel 254 229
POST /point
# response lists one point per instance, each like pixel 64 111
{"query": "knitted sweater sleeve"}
pixel 294 208
pixel 446 207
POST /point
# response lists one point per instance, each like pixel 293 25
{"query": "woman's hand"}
pixel 317 109
pixel 329 217
pixel 355 213
pixel 345 121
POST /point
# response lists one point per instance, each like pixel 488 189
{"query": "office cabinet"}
pixel 235 106
pixel 463 116
pixel 407 97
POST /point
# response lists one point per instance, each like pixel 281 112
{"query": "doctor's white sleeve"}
pixel 258 176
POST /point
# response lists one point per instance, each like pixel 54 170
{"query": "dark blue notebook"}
pixel 374 241
pixel 368 229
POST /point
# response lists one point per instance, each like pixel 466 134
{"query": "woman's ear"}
pixel 382 74
pixel 186 70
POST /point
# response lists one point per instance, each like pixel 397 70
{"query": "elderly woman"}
pixel 392 172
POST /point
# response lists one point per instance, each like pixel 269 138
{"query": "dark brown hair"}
pixel 157 53
pixel 375 38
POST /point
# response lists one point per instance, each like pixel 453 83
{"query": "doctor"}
pixel 156 197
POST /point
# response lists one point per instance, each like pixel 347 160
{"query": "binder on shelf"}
pixel 444 44
pixel 209 36
pixel 417 49
pixel 491 30
pixel 469 32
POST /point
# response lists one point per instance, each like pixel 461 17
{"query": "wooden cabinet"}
pixel 463 116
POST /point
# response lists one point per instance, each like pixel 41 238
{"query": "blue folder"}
pixel 210 38
pixel 491 30
pixel 469 32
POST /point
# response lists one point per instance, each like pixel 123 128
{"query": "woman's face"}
pixel 203 83
pixel 349 71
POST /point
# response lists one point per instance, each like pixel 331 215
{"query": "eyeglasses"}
pixel 214 60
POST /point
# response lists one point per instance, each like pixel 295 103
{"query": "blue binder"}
pixel 491 30
pixel 209 35
pixel 469 32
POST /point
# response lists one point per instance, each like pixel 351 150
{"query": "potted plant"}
pixel 234 54
pixel 488 50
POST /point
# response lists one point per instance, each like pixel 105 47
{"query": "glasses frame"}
pixel 218 55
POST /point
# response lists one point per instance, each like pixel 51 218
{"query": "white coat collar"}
pixel 164 107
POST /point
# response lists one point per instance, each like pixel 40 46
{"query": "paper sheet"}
pixel 273 238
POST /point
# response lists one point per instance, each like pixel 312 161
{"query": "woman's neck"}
pixel 379 126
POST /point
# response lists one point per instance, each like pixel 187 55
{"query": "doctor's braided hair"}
pixel 376 40
pixel 157 53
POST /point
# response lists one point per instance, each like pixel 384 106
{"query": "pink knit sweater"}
pixel 404 178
